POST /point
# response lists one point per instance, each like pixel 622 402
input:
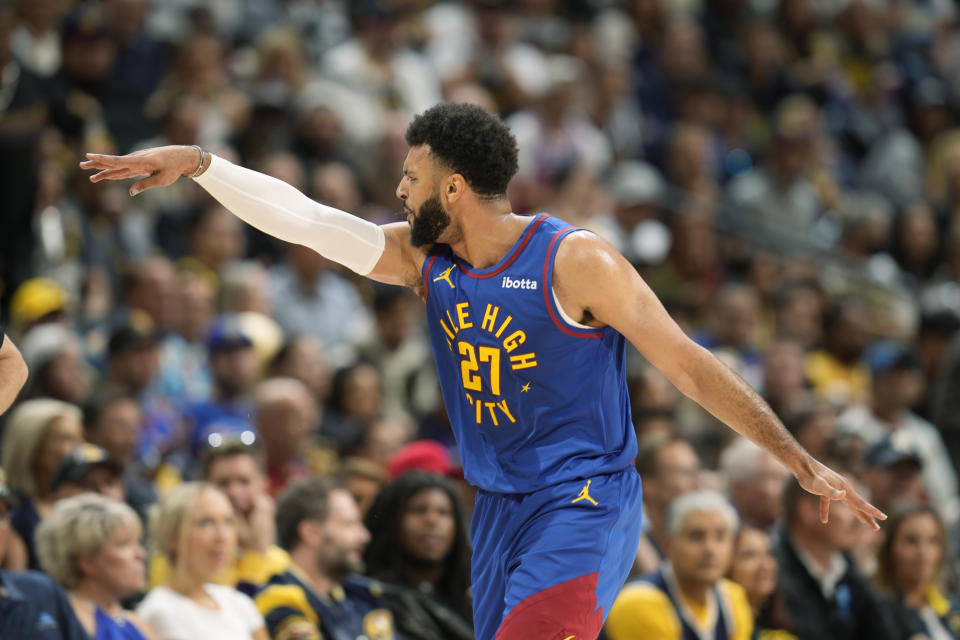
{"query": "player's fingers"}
pixel 114 174
pixel 155 180
pixel 100 160
pixel 824 509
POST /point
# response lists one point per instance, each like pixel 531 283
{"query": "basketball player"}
pixel 528 317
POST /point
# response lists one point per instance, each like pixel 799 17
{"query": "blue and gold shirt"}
pixel 295 611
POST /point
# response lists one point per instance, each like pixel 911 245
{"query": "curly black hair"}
pixel 471 141
pixel 384 559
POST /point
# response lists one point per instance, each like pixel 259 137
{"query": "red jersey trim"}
pixel 548 293
pixel 527 235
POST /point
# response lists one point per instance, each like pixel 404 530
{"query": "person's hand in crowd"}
pixel 161 166
pixel 258 530
pixel 13 372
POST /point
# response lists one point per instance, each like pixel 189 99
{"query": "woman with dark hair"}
pixel 754 568
pixel 427 579
pixel 909 566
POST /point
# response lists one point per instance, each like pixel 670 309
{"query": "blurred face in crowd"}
pixel 917 551
pixel 234 370
pixel 63 435
pixel 896 484
pixel 816 431
pixel 737 310
pixel 135 367
pixel 428 527
pixel 306 362
pixel 342 538
pixel 117 429
pixel 286 423
pixel 240 479
pixel 783 372
pixel 758 499
pixel 67 376
pixel 798 317
pixel 101 479
pixel 700 551
pixel 208 539
pixel 840 533
pixel 678 470
pixel 197 305
pixel 217 238
pixel 364 489
pixel 848 336
pixel 119 565
pixel 154 290
pixel 754 565
pixel 362 393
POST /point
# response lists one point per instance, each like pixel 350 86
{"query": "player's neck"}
pixel 488 234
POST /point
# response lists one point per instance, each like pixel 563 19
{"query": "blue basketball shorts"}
pixel 548 565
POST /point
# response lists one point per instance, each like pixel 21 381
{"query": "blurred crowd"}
pixel 213 416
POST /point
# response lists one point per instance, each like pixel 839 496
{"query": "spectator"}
pixel 235 370
pixel 286 419
pixel 114 421
pixel 784 380
pixel 321 596
pixel 363 479
pixel 13 371
pixel 57 366
pixel 754 568
pixel 91 546
pixel 237 470
pixel 34 606
pixel 755 483
pixel 826 596
pixel 893 473
pixel 309 297
pixel 38 436
pixel 13 553
pixel 688 596
pixel 836 371
pixel 195 529
pixel 420 550
pixel 911 561
pixel 894 370
pixel 89 469
pixel 669 467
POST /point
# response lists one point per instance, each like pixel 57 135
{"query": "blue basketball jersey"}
pixel 534 400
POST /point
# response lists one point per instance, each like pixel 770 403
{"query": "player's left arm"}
pixel 595 283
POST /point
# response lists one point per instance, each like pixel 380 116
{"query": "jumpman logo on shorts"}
pixel 585 495
pixel 445 276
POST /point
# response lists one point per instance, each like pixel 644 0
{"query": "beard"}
pixel 428 223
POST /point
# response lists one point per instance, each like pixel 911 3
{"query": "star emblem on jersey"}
pixel 525 388
pixel 445 276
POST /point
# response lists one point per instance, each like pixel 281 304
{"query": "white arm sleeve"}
pixel 278 209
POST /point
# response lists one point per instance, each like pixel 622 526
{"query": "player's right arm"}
pixel 276 208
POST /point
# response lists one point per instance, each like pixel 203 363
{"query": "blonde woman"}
pixel 90 544
pixel 39 435
pixel 194 528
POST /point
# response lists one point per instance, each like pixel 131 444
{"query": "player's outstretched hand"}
pixel 823 481
pixel 161 166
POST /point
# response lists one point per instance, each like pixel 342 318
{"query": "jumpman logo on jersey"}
pixel 525 388
pixel 585 495
pixel 445 276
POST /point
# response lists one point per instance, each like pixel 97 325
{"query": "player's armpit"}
pixel 593 280
pixel 401 262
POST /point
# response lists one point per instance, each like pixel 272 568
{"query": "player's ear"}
pixel 454 188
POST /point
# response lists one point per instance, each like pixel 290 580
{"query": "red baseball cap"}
pixel 423 455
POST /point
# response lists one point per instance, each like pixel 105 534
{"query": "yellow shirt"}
pixel 250 567
pixel 644 612
pixel 836 382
